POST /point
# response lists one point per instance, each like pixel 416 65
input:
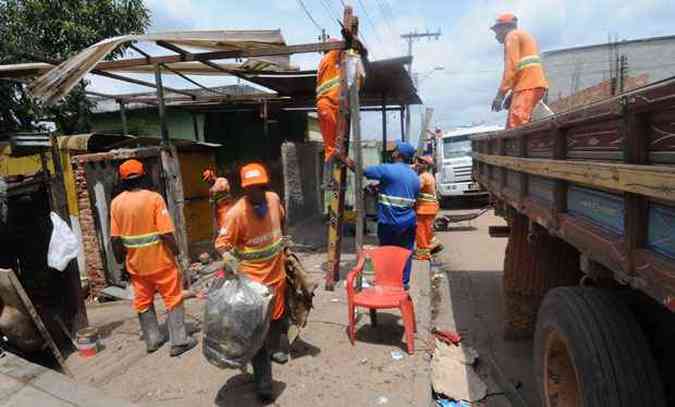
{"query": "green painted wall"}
pixel 145 122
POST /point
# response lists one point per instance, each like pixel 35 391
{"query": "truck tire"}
pixel 590 351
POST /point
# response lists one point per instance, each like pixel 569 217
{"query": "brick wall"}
pixel 595 93
pixel 92 254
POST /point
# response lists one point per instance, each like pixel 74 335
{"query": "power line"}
pixel 332 15
pixel 302 4
pixel 370 21
pixel 387 18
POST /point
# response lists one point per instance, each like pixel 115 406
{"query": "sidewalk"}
pixel 325 370
pixel 23 383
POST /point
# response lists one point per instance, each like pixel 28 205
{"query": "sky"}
pixel 459 73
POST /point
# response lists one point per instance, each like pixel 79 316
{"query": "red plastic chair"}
pixel 387 293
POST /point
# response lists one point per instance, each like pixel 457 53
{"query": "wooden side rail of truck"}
pixel 589 197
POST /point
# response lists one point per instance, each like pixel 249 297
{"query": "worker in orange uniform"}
pixel 252 233
pixel 426 208
pixel 142 236
pixel 219 196
pixel 523 72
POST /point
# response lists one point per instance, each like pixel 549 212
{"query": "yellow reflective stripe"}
pixel 396 201
pixel 526 62
pixel 328 85
pixel 259 254
pixel 220 197
pixel 427 198
pixel 138 241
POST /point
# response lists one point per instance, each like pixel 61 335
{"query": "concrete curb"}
pixel 421 293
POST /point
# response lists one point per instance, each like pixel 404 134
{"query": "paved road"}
pixel 472 265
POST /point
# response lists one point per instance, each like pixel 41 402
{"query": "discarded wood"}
pixel 37 320
pixel 65 331
pixel 426 119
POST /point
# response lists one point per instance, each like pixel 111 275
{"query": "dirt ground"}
pixel 471 275
pixel 325 370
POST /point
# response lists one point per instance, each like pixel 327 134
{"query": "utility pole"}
pixel 411 36
pixel 623 72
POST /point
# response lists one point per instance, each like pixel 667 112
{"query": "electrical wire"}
pixel 370 21
pixel 309 15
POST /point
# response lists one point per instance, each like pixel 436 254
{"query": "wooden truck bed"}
pixel 602 178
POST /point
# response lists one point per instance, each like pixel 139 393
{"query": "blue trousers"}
pixel 390 235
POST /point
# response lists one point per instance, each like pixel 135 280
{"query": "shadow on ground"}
pixel 387 332
pixel 479 314
pixel 239 391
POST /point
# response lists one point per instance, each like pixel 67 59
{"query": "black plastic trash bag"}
pixel 236 320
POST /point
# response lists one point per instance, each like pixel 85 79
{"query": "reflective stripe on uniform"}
pixel 219 197
pixel 259 254
pixel 138 241
pixel 427 198
pixel 328 85
pixel 396 201
pixel 526 62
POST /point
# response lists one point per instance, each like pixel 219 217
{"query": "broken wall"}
pixel 302 170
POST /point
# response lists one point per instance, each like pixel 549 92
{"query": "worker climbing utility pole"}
pixel 523 82
pixel 339 129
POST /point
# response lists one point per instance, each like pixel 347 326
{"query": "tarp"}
pixel 59 81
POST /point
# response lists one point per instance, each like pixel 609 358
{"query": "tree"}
pixel 56 30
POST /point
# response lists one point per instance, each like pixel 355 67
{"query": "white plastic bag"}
pixel 236 320
pixel 63 245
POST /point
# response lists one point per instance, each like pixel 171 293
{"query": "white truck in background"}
pixel 454 164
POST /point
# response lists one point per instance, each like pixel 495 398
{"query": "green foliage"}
pixel 55 30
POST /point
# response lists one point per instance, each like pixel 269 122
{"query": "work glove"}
pixel 507 101
pixel 497 102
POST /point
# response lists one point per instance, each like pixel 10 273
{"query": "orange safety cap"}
pixel 505 18
pixel 131 169
pixel 253 174
pixel 208 175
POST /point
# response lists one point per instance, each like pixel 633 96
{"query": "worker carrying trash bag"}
pixel 142 237
pixel 252 233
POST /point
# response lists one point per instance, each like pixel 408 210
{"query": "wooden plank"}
pixel 652 181
pixel 339 173
pixel 163 129
pixel 272 50
pixel 173 183
pixel 354 114
pixel 37 320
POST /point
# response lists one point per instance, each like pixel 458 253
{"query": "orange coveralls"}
pixel 139 218
pixel 523 76
pixel 426 209
pixel 328 99
pixel 257 243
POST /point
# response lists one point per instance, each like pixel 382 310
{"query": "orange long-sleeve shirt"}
pixel 328 77
pixel 257 243
pixel 427 202
pixel 522 65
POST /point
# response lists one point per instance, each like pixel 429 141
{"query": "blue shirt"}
pixel 399 187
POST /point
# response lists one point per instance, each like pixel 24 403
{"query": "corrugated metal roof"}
pixel 619 43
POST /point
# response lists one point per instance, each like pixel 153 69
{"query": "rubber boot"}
pixel 262 375
pixel 277 341
pixel 150 328
pixel 180 341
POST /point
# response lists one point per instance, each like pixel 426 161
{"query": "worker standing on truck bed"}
pixel 426 208
pixel 398 190
pixel 252 233
pixel 142 236
pixel 523 72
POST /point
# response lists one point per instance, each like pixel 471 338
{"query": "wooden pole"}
pixel 195 126
pixel 426 119
pixel 123 116
pixel 164 132
pixel 402 115
pixel 384 127
pixel 354 106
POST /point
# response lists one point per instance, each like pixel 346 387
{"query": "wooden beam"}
pixel 164 132
pixel 192 81
pixel 215 55
pixel 384 127
pixel 139 82
pixel 649 180
pixel 171 47
pixel 123 117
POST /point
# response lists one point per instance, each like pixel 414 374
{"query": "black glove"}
pixel 507 102
pixel 497 102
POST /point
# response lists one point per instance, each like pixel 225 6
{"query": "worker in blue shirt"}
pixel 398 190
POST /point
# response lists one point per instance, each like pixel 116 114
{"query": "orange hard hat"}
pixel 208 175
pixel 505 18
pixel 254 174
pixel 131 169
